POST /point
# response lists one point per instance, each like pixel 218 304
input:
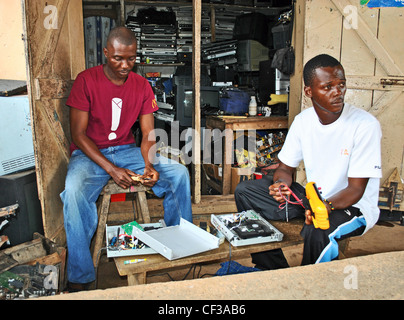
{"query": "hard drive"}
pixel 246 228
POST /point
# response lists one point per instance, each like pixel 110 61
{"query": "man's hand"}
pixel 122 177
pixel 150 177
pixel 277 194
pixel 308 217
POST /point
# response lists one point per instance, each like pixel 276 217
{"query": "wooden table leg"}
pixel 102 221
pixel 136 279
pixel 227 160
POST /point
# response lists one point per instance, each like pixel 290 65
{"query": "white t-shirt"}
pixel 348 147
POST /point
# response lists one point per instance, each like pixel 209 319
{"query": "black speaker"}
pixel 266 81
pixel 21 188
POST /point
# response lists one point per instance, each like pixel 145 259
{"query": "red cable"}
pixel 299 201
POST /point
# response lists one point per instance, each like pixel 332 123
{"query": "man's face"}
pixel 328 89
pixel 120 59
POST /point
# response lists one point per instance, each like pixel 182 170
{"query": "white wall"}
pixel 12 56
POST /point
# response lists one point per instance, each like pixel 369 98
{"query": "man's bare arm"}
pixel 78 128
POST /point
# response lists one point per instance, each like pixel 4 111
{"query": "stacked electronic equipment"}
pixel 224 22
pixel 134 24
pixel 185 32
pixel 220 52
pixel 158 35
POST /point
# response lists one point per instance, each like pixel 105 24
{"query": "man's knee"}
pixel 241 188
pixel 314 235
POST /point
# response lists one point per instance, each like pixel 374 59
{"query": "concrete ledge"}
pixel 378 276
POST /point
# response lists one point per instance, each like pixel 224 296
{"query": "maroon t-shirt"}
pixel 112 109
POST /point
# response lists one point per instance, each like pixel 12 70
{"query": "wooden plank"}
pixel 51 259
pixel 54 58
pixel 390 108
pixel 46 47
pixel 323 32
pixel 113 188
pixel 27 251
pixel 369 82
pixel 52 88
pixel 357 58
pixel 323 24
pixel 53 121
pixel 6 262
pixel 136 279
pixel 216 204
pixel 296 79
pixel 371 41
pixel 143 207
pixel 69 54
pixel 100 233
pixel 383 102
pixel 196 115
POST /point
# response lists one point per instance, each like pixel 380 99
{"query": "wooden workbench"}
pixel 231 124
pixel 137 273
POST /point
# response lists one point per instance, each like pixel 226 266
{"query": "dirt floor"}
pixel 384 237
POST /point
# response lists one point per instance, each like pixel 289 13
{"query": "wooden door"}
pixel 369 42
pixel 55 55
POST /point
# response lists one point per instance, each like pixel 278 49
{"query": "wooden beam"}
pixel 52 88
pixel 217 204
pixel 196 81
pixel 46 54
pixel 381 83
pixel 296 79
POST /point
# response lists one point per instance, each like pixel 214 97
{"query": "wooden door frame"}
pixel 47 89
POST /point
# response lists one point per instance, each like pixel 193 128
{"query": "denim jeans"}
pixel 84 183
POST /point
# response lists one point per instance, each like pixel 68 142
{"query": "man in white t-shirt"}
pixel 339 145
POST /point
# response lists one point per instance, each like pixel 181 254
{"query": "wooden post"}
pixel 196 119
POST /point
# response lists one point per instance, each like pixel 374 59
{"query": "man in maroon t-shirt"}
pixel 105 102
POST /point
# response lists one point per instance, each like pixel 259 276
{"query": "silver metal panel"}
pixel 16 143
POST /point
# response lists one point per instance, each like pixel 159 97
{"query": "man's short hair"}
pixel 124 36
pixel 320 61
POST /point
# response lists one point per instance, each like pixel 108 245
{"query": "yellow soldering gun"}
pixel 314 203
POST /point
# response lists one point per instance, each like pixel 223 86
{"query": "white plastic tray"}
pixel 179 241
pixel 111 231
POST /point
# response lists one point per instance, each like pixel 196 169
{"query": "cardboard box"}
pixel 238 175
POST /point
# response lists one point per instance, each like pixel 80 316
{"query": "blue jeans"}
pixel 84 183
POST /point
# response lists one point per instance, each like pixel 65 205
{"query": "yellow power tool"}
pixel 314 203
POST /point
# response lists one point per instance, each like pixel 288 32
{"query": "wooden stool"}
pixel 110 189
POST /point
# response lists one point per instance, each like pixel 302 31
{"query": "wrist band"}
pixel 330 204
